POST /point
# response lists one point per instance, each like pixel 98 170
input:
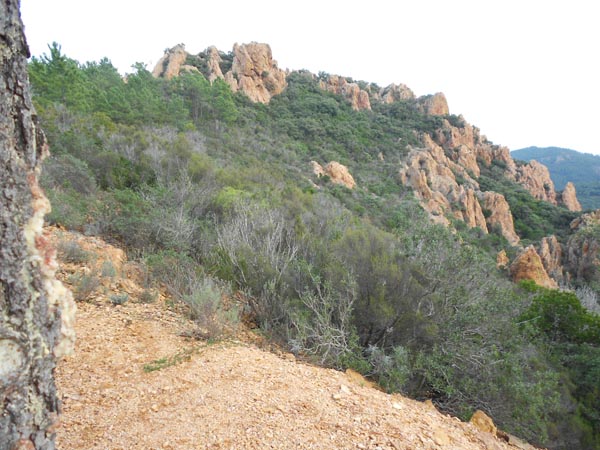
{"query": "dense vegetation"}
pixel 215 194
pixel 582 169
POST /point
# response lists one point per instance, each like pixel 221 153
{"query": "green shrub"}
pixel 148 296
pixel 70 251
pixel 208 310
pixel 119 299
pixel 108 269
pixel 85 285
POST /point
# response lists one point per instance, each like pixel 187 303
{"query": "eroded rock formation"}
pixel 433 177
pixel 551 254
pixel 338 173
pixel 256 72
pixel 568 198
pixel 528 266
pixel 499 216
pixel 433 105
pixel 395 93
pixel 582 257
pixel 535 177
pixel 250 68
pixel 358 98
pixel 172 63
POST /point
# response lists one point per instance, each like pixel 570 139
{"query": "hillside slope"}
pixel 326 214
pixel 228 394
pixel 582 169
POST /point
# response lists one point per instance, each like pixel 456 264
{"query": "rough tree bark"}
pixel 36 311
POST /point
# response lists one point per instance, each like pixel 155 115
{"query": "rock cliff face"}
pixel 172 63
pixel 256 72
pixel 213 64
pixel 434 105
pixel 582 257
pixel 568 198
pixel 535 177
pixel 394 93
pixel 443 176
pixel 528 266
pixel 551 254
pixel 433 177
pixel 500 216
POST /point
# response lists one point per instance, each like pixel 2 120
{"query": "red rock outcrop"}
pixel 500 216
pixel 568 198
pixel 394 93
pixel 433 177
pixel 586 220
pixel 551 254
pixel 535 177
pixel 213 63
pixel 317 169
pixel 502 260
pixel 253 70
pixel 582 258
pixel 433 105
pixel 358 98
pixel 172 62
pixel 257 73
pixel 338 173
pixel 528 266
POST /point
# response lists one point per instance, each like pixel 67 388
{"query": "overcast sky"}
pixel 525 72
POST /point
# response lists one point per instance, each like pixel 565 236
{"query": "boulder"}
pixel 483 422
pixel 339 174
pixel 528 266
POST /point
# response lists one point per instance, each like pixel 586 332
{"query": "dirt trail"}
pixel 228 395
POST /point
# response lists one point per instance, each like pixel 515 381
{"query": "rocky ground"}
pixel 136 382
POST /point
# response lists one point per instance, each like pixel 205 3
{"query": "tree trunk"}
pixel 36 311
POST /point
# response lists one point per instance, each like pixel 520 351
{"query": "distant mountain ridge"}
pixel 582 169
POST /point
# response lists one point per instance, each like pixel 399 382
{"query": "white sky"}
pixel 524 71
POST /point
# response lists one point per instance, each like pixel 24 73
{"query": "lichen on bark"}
pixel 36 311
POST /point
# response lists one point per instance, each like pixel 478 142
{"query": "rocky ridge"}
pixel 442 171
pixel 251 69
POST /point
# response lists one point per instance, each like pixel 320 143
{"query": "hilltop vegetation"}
pixel 203 184
pixel 582 169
